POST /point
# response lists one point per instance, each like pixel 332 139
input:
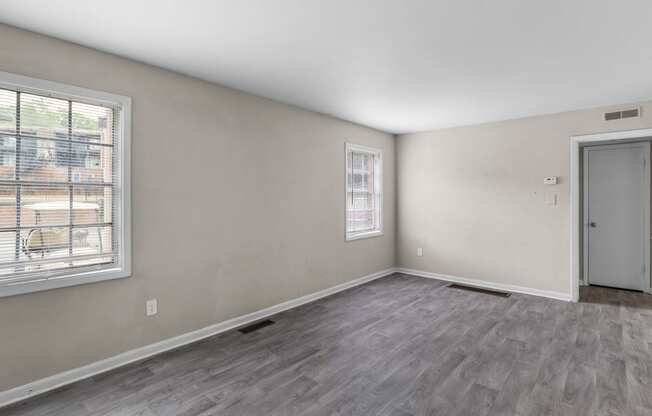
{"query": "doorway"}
pixel 616 198
pixel 578 223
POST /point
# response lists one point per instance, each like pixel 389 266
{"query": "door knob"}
pixel 592 224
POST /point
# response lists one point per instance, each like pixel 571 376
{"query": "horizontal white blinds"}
pixel 58 179
pixel 363 191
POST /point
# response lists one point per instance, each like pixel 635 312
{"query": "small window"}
pixel 64 185
pixel 363 192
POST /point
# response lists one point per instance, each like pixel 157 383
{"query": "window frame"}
pixel 123 220
pixel 377 153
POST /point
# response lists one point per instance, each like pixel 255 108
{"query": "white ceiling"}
pixel 396 65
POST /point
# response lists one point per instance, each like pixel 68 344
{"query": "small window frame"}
pixel 378 185
pixel 122 268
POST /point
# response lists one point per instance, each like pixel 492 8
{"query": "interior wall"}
pixel 473 198
pixel 237 205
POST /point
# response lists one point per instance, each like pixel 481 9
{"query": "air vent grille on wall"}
pixel 617 115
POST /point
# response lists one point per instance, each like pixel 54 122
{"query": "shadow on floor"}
pixel 615 297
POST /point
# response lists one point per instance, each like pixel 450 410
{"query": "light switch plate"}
pixel 419 252
pixel 552 199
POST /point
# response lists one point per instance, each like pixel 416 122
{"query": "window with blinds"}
pixel 61 192
pixel 363 192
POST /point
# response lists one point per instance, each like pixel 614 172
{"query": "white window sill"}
pixel 362 236
pixel 65 280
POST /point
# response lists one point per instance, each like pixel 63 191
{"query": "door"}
pixel 616 207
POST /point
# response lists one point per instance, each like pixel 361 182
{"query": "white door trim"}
pixel 576 224
pixel 646 211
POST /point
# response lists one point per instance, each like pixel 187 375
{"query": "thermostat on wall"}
pixel 550 180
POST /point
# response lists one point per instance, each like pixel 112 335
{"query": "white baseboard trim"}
pixel 488 285
pixel 44 385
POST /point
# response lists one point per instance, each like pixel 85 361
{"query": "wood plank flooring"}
pixel 397 346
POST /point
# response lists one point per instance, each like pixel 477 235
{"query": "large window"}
pixel 63 185
pixel 363 192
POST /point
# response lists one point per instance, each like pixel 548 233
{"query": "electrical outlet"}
pixel 419 252
pixel 151 307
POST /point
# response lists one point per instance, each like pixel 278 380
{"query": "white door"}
pixel 616 201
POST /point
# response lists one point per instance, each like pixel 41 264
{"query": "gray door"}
pixel 615 205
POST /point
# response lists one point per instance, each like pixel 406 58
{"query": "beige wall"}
pixel 237 205
pixel 473 198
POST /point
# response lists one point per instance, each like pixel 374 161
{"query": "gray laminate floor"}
pixel 397 346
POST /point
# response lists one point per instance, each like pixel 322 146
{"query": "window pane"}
pixel 44 205
pixel 41 244
pixel 7 132
pixel 362 201
pixel 7 220
pixel 7 157
pixel 91 123
pixel 92 204
pixel 359 160
pixel 91 240
pixel 360 182
pixel 7 247
pixel 361 220
pixel 91 163
pixel 7 112
pixel 43 160
pixel 49 160
pixel 50 205
pixel 43 116
pixel 7 206
pixel 48 249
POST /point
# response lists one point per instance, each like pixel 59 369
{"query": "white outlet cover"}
pixel 419 252
pixel 151 307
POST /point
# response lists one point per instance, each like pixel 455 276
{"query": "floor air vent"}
pixel 256 326
pixel 480 290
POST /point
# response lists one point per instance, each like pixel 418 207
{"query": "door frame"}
pixel 646 209
pixel 576 225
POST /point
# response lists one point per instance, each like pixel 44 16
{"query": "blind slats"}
pixel 58 185
pixel 363 190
